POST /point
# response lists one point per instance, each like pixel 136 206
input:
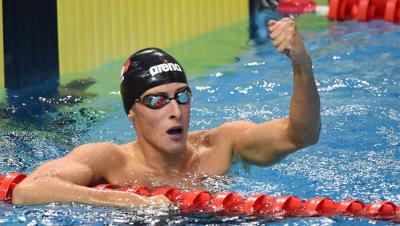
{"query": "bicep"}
pixel 262 143
pixel 66 169
pixel 82 166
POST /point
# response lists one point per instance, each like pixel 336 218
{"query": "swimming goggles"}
pixel 158 101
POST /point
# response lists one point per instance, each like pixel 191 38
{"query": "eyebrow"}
pixel 166 94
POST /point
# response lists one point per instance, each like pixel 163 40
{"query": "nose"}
pixel 175 110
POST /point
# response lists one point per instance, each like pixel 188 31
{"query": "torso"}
pixel 209 157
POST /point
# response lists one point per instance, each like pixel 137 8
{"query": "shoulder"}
pixel 230 129
pixel 104 151
pixel 103 147
pixel 221 134
pixel 234 126
pixel 215 146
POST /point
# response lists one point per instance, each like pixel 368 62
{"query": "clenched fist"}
pixel 287 40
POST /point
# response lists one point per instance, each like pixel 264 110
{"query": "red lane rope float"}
pixel 258 203
pixel 8 183
pixel 350 207
pixel 230 203
pixel 296 6
pixel 364 10
pixel 390 11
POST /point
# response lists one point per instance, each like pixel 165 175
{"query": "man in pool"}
pixel 156 98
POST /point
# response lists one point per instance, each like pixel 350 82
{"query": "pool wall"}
pixel 92 33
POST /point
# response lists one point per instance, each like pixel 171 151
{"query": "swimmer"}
pixel 156 98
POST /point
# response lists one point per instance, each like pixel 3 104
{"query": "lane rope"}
pixel 364 10
pixel 231 203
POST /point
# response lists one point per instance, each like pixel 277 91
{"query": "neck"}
pixel 162 162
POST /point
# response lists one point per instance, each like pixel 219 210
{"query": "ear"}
pixel 132 115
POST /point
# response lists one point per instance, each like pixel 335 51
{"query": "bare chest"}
pixel 206 161
pixel 145 177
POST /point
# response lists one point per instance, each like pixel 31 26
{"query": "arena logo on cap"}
pixel 164 68
pixel 124 69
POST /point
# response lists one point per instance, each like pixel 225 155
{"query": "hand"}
pixel 127 199
pixel 287 40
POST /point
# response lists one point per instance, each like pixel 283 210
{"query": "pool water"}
pixel 357 68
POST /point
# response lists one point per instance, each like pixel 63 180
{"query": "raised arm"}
pixel 304 115
pixel 66 179
pixel 269 141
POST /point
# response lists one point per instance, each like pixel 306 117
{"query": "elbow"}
pixel 309 138
pixel 312 137
pixel 27 193
pixel 20 194
pixel 306 141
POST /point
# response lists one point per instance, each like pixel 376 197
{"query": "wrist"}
pixel 304 60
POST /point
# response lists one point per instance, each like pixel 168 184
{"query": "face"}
pixel 166 128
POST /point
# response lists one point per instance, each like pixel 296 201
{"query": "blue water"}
pixel 357 68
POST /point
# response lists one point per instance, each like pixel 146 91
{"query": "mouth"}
pixel 175 131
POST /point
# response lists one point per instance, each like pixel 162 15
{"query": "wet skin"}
pixel 165 153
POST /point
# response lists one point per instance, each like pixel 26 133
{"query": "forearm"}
pixel 304 115
pixel 49 190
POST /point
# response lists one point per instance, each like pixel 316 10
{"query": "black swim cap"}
pixel 146 69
